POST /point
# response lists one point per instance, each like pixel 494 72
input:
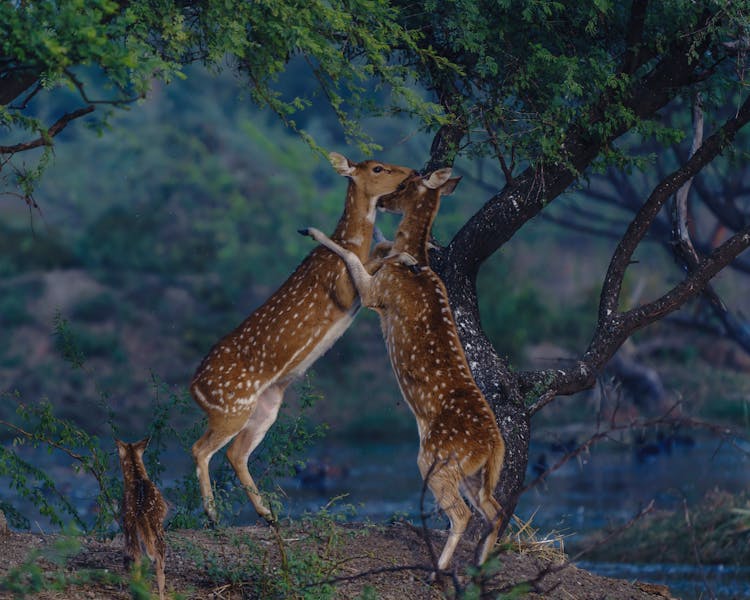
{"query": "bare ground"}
pixel 233 563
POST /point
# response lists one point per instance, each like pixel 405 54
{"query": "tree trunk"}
pixel 493 377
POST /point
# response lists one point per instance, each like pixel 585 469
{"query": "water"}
pixel 602 489
pixel 684 581
pixel 613 483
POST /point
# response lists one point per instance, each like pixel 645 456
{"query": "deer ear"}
pixel 121 448
pixel 343 165
pixel 437 178
pixel 450 185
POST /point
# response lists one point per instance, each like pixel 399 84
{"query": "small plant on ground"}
pixel 293 560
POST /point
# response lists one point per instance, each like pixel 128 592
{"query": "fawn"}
pixel 143 511
pixel 461 449
pixel 240 383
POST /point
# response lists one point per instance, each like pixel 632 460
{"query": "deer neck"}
pixel 355 227
pixel 414 230
pixel 134 470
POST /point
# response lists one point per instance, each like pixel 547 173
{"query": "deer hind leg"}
pixel 479 491
pixel 132 545
pixel 443 479
pixel 252 434
pixel 156 549
pixel 159 559
pixel 217 436
pixel 160 578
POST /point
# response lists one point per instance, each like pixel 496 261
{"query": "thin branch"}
pixel 680 213
pixel 709 150
pixel 74 455
pixel 28 98
pixel 570 224
pixel 691 286
pixel 507 170
pixel 27 434
pixel 369 573
pixel 624 527
pixel 46 138
pixel 82 91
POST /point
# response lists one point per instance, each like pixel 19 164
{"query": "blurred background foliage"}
pixel 158 240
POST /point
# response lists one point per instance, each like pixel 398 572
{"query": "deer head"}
pixel 418 199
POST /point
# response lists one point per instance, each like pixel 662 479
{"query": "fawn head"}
pixel 415 186
pixel 131 456
pixel 418 199
pixel 372 177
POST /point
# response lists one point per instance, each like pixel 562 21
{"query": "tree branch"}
pixel 634 36
pixel 14 84
pixel 613 327
pixel 712 147
pixel 705 270
pixel 445 146
pixel 46 138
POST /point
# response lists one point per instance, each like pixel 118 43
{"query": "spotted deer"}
pixel 461 449
pixel 143 511
pixel 240 383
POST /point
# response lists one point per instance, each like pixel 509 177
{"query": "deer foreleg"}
pixel 357 270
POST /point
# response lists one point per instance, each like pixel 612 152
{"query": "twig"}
pixel 633 520
pixel 664 419
pixel 74 455
pixel 82 91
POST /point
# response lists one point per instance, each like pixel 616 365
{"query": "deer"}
pixel 143 511
pixel 240 383
pixel 461 449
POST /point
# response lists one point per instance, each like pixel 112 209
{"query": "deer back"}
pixel 141 498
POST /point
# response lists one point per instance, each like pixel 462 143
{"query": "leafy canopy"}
pixel 528 70
pixel 513 75
pixel 60 54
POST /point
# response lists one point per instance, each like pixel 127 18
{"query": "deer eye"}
pixel 377 169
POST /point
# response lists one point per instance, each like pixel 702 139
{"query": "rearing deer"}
pixel 240 383
pixel 461 449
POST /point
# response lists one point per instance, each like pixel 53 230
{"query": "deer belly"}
pixel 324 342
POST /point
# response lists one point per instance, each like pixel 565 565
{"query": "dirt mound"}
pixel 324 559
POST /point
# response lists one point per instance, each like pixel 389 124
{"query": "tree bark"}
pixel 12 85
